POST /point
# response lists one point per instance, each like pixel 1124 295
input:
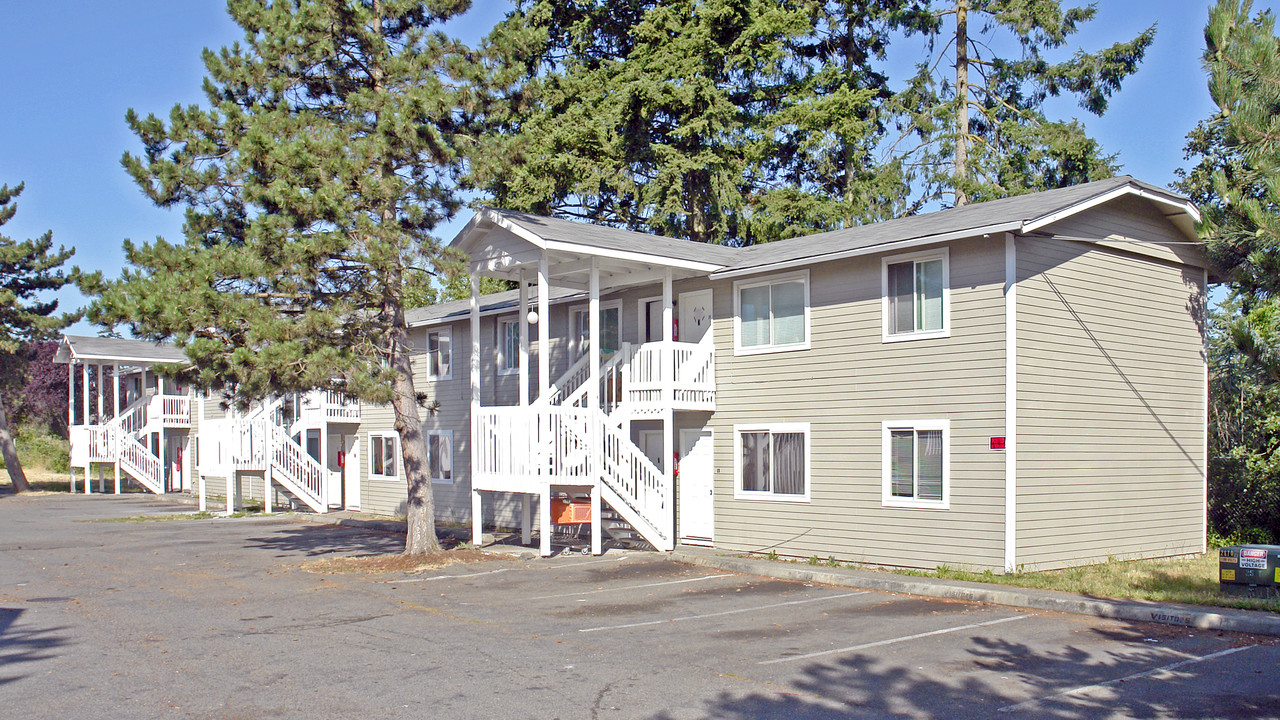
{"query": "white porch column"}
pixel 115 377
pixel 267 483
pixel 544 524
pixel 71 416
pixel 597 539
pixel 668 389
pixel 544 328
pixel 477 517
pixel 84 375
pixel 593 337
pixel 203 495
pixel 524 340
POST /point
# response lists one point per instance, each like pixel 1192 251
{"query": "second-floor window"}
pixel 509 346
pixel 915 296
pixel 610 330
pixel 773 314
pixel 439 354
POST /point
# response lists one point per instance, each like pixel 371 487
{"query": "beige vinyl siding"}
pixel 845 386
pixel 1110 393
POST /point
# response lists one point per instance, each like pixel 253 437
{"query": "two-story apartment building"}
pixel 1017 383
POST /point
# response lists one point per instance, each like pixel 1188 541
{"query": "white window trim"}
pixel 574 353
pixel 937 253
pixel 394 437
pixel 443 330
pixel 887 498
pixel 501 350
pixel 739 493
pixel 452 456
pixel 740 285
pixel 642 316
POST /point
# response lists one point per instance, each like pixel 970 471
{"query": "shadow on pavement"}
pixel 20 645
pixel 1064 685
pixel 312 540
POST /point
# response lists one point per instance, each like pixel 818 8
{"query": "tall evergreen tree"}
pixel 27 269
pixel 977 130
pixel 312 182
pixel 635 113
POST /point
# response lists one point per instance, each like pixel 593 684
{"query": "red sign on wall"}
pixel 997 443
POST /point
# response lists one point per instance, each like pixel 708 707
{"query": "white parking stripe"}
pixel 718 614
pixel 891 641
pixel 442 577
pixel 1135 676
pixel 632 587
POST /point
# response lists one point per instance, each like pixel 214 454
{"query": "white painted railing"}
pixel 296 470
pixel 102 443
pixel 573 379
pixel 141 463
pixel 672 374
pixel 175 410
pixel 341 408
pixel 524 449
pixel 133 418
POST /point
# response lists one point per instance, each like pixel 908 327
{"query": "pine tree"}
pixel 982 133
pixel 312 182
pixel 27 269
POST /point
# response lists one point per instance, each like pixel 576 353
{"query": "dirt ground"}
pixel 42 481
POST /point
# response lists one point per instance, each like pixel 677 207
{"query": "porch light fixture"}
pixel 532 317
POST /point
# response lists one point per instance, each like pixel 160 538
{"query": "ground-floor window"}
pixel 771 461
pixel 384 451
pixel 916 459
pixel 440 455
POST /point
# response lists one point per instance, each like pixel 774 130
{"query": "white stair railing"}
pixel 141 463
pixel 572 379
pixel 296 470
pixel 639 489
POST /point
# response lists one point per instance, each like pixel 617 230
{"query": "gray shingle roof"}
pixel 122 349
pixel 489 305
pixel 1017 209
pixel 609 238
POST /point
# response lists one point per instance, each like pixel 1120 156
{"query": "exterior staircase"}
pixel 118 441
pixel 265 445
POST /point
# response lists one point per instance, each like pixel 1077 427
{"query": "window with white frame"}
pixel 610 329
pixel 916 459
pixel 440 455
pixel 772 315
pixel 440 354
pixel 384 454
pixel 772 461
pixel 916 291
pixel 508 346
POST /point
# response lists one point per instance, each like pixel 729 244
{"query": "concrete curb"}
pixel 1246 621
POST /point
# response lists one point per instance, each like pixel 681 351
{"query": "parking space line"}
pixel 891 641
pixel 1146 673
pixel 442 577
pixel 718 614
pixel 632 587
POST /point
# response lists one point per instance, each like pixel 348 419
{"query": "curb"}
pixel 1245 621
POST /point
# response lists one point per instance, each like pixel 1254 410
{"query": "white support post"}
pixel 232 482
pixel 524 340
pixel 544 329
pixel 526 518
pixel 593 337
pixel 544 522
pixel 84 375
pixel 71 417
pixel 668 337
pixel 266 490
pixel 597 538
pixel 203 495
pixel 477 518
pixel 115 377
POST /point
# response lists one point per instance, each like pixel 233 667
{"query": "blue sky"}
pixel 73 67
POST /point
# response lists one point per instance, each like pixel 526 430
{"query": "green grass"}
pixel 1191 580
pixel 176 516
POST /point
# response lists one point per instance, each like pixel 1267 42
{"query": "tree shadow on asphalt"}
pixel 24 644
pixel 313 540
pixel 1033 684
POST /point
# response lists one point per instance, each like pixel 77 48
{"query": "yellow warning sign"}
pixel 1228 574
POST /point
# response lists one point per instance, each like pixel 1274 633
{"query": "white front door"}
pixel 697 489
pixel 351 472
pixel 651 446
pixel 695 315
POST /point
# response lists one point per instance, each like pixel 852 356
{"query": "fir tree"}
pixel 981 132
pixel 27 269
pixel 312 180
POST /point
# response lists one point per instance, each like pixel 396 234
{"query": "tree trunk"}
pixel 962 101
pixel 10 454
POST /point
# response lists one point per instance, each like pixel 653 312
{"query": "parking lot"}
pixel 215 619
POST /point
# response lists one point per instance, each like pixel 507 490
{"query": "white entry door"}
pixel 351 472
pixel 697 489
pixel 695 315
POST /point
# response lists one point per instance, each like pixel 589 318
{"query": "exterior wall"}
pixel 1111 404
pixel 845 386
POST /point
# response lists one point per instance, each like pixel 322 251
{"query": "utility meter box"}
pixel 1249 569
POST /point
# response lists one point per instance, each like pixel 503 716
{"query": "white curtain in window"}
pixel 902 463
pixel 788 313
pixel 788 463
pixel 389 456
pixel 510 345
pixel 754 304
pixel 929 295
pixel 376 455
pixel 440 456
pixel 929 480
pixel 755 461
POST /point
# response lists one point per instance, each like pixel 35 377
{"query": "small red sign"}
pixel 997 443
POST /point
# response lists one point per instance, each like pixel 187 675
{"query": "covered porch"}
pixel 572 434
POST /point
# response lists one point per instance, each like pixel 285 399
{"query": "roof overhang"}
pixel 69 352
pixel 499 247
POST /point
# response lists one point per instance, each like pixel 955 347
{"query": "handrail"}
pixel 570 381
pixel 141 463
pixel 289 458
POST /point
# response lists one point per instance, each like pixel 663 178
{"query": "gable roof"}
pixel 491 304
pixel 1021 214
pixel 81 348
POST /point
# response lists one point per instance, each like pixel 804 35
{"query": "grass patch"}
pixel 1191 580
pixel 168 517
pixel 407 564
